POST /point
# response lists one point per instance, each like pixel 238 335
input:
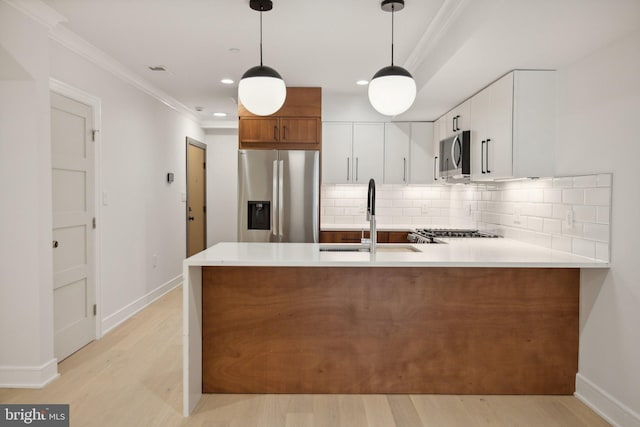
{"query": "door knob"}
pixel 191 218
pixel 55 244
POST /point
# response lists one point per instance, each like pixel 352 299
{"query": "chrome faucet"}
pixel 371 215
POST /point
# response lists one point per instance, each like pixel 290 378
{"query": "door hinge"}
pixel 95 309
pixel 204 209
pixel 93 222
pixel 93 134
pixel 204 165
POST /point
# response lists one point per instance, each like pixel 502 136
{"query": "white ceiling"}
pixel 453 47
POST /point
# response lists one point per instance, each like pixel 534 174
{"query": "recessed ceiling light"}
pixel 226 81
pixel 158 68
pixel 220 114
pixel 362 82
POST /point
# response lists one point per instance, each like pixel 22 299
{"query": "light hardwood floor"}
pixel 133 377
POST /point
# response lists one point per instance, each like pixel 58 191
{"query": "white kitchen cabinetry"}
pixel 443 128
pixel 458 119
pixel 513 127
pixel 368 152
pixel 337 148
pixel 421 165
pixel 352 152
pixel 396 152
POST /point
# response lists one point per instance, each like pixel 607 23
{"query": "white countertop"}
pixel 458 252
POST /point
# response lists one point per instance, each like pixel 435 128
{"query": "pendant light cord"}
pixel 393 10
pixel 261 37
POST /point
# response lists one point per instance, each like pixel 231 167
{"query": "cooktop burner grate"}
pixel 430 235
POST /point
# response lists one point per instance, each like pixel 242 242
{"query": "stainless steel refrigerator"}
pixel 278 196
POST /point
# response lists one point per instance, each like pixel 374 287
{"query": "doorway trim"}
pixel 195 143
pixel 95 103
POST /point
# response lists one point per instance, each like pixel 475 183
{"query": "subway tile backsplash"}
pixel 571 214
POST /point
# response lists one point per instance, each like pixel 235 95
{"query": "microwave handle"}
pixel 456 140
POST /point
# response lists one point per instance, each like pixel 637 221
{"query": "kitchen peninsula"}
pixel 485 316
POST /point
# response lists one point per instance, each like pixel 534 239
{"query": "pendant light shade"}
pixel 262 90
pixel 392 89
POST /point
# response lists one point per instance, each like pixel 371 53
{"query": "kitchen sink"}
pixel 391 247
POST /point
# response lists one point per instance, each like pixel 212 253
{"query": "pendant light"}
pixel 261 89
pixel 392 89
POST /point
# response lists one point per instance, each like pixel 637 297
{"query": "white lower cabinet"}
pixel 513 127
pixel 352 153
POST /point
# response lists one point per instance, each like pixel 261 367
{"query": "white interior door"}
pixel 72 155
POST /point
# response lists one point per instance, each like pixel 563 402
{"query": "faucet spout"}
pixel 371 215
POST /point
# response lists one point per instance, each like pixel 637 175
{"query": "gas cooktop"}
pixel 431 235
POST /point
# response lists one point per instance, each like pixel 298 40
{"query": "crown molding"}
pixel 441 23
pixel 51 19
pixel 38 11
pixel 77 44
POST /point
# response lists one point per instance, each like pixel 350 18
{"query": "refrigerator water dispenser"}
pixel 259 215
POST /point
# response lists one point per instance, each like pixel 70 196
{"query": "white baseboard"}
pixel 29 376
pixel 605 405
pixel 115 319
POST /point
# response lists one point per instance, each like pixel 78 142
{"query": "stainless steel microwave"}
pixel 455 156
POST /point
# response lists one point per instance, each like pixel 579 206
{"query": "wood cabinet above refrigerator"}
pixel 297 125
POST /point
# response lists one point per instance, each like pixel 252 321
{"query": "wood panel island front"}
pixel 477 317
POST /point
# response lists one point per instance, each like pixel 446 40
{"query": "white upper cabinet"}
pixel 390 153
pixel 352 152
pixel 444 130
pixel 368 152
pixel 458 119
pixel 337 148
pixel 421 166
pixel 513 127
pixel 396 153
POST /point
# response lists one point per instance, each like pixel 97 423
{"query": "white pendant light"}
pixel 392 89
pixel 261 89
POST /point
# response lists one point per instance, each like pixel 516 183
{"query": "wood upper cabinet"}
pixel 297 125
pixel 303 130
pixel 257 130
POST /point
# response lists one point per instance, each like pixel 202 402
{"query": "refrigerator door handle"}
pixel 280 197
pixel 274 231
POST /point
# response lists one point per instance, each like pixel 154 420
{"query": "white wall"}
pixel 222 185
pixel 350 108
pixel 26 284
pixel 141 139
pixel 599 107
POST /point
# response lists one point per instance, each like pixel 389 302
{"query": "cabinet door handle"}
pixel 275 133
pixel 348 169
pixel 435 168
pixel 284 132
pixel 404 170
pixel 487 152
pixel 357 169
pixel 453 124
pixel 482 156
